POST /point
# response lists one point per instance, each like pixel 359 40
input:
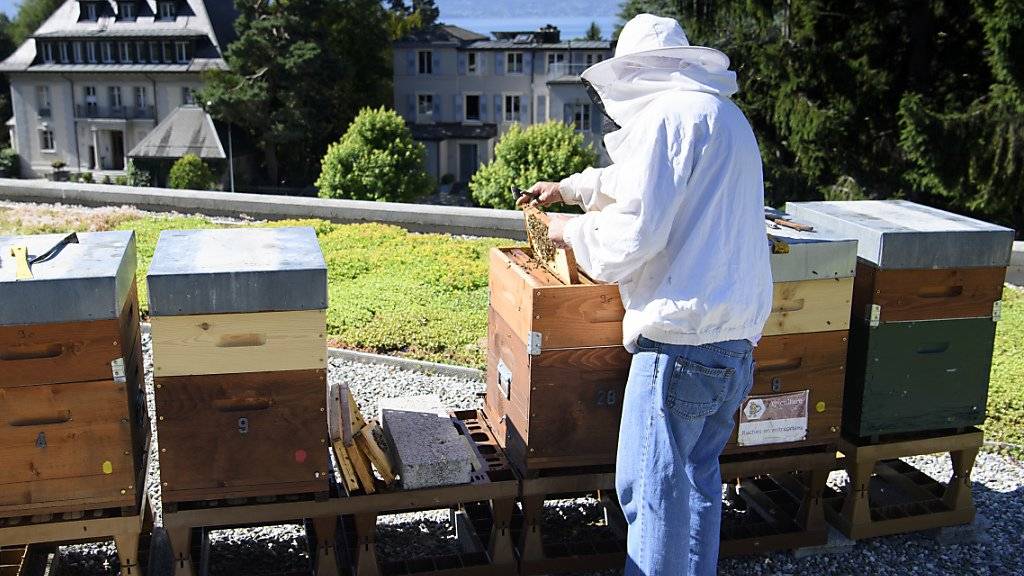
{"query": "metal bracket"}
pixel 874 315
pixel 533 343
pixel 243 425
pixel 997 310
pixel 41 440
pixel 117 370
pixel 776 384
pixel 504 379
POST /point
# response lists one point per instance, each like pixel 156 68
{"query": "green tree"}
pixel 31 15
pixel 593 32
pixel 190 173
pixel 549 151
pixel 7 47
pixel 376 159
pixel 299 72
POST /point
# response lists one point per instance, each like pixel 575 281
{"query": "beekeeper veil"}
pixel 653 56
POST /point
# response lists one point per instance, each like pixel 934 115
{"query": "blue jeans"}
pixel 677 416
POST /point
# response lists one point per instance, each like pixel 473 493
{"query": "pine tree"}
pixel 593 32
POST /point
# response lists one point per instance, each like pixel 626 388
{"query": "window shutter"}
pixel 436 64
pixel 567 113
pixel 410 61
pixel 483 108
pixel 527 62
pixel 497 108
pixel 457 100
pixel 437 109
pixel 524 111
pixel 462 63
pixel 499 63
pixel 595 120
pixel 411 100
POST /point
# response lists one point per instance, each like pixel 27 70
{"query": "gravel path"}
pixel 998 492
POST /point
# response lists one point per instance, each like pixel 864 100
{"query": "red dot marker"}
pixel 300 456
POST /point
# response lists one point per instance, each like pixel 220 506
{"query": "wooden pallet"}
pixel 780 494
pixel 487 502
pixel 888 496
pixel 25 541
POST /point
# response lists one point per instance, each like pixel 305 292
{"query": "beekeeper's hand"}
pixel 541 194
pixel 556 228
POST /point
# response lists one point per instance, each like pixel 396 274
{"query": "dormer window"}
pixel 167 10
pixel 181 52
pixel 48 53
pixel 92 11
pixel 126 11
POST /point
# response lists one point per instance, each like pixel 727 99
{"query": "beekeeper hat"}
pixel 655 39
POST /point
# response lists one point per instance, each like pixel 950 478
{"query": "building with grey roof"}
pixel 99 76
pixel 460 90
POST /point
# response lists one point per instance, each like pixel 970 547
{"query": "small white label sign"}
pixel 773 419
pixel 117 370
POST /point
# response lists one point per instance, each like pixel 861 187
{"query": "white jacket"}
pixel 677 219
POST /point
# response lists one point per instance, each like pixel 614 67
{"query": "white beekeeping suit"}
pixel 677 219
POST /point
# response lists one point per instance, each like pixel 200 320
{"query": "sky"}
pixel 8 7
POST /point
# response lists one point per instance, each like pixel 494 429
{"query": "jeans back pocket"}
pixel 695 390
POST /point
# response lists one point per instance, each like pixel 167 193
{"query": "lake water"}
pixel 571 27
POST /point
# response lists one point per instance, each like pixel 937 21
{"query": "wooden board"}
pixel 810 306
pixel 917 376
pixel 72 446
pixel 905 295
pixel 530 299
pixel 561 261
pixel 796 362
pixel 563 407
pixel 33 354
pixel 237 343
pixel 206 455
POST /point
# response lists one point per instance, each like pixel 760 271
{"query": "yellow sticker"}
pixel 108 468
pixel 820 406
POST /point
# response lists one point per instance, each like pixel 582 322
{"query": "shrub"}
pixel 376 159
pixel 190 173
pixel 106 180
pixel 86 177
pixel 549 151
pixel 10 165
pixel 121 180
pixel 447 179
pixel 135 176
pixel 58 164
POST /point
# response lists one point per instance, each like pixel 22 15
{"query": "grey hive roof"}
pixel 188 129
pixel 212 21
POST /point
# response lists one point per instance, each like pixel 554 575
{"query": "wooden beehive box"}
pixel 73 427
pixel 556 365
pixel 239 352
pixel 919 357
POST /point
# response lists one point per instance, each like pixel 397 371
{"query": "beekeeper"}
pixel 677 220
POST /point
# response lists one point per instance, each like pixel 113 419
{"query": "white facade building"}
pixel 99 75
pixel 460 90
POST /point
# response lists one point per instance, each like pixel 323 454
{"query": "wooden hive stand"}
pixel 888 496
pixel 26 541
pixel 486 504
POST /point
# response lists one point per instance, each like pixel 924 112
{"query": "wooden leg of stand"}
pixel 857 506
pixel 533 516
pixel 366 544
pixel 127 545
pixel 181 544
pixel 326 529
pixel 811 515
pixel 958 492
pixel 500 546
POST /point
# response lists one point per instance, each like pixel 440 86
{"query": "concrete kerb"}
pixel 463 372
pixel 414 217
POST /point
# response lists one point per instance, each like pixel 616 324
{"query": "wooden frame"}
pixel 810 306
pixel 945 293
pixel 865 511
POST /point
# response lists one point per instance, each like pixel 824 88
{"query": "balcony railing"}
pixel 118 112
pixel 560 69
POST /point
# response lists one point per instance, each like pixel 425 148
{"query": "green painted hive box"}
pixel 917 376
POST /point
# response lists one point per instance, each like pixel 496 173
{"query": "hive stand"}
pixel 782 491
pixel 888 496
pixel 487 502
pixel 21 536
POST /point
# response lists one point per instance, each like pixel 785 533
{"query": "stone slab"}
pixel 974 533
pixel 897 234
pixel 837 543
pixel 236 270
pixel 812 256
pixel 425 444
pixel 85 281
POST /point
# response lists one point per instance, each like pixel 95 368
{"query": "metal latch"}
pixel 41 440
pixel 504 379
pixel 776 384
pixel 997 310
pixel 533 345
pixel 875 314
pixel 243 425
